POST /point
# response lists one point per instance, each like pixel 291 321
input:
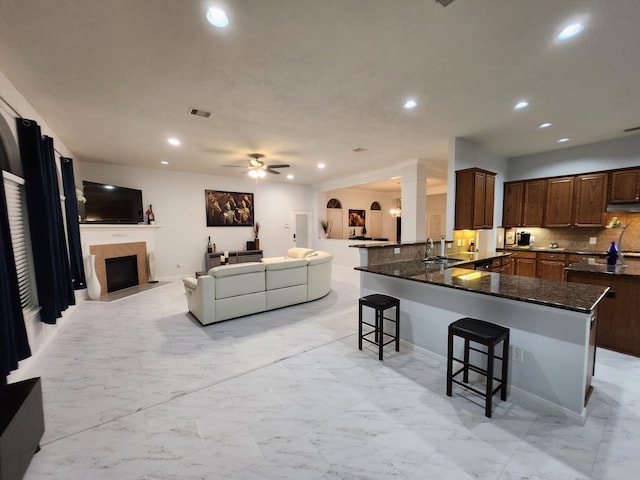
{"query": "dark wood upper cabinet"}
pixel 625 186
pixel 535 194
pixel 489 195
pixel 590 200
pixel 512 205
pixel 559 204
pixel 474 199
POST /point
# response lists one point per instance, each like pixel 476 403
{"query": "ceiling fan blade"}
pixel 235 166
pixel 283 165
pixel 272 171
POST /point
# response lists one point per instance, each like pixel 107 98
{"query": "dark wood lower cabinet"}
pixel 618 317
pixel 524 263
pixel 551 266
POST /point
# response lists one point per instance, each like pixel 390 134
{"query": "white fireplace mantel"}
pixel 103 234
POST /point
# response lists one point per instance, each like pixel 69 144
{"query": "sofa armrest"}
pixel 201 294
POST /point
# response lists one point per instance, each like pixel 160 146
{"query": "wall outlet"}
pixel 464 242
pixel 449 244
pixel 593 240
pixel 459 242
pixel 532 239
pixel 396 251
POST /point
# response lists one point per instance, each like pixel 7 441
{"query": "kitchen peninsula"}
pixel 618 322
pixel 553 323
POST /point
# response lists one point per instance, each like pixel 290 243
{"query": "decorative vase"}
pixel 151 267
pixel 257 242
pixel 93 285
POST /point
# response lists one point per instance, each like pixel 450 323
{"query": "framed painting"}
pixel 229 209
pixel 356 218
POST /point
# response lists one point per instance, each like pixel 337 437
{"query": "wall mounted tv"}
pixel 111 204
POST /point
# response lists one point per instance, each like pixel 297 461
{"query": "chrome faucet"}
pixel 429 248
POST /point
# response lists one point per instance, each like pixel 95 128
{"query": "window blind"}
pixel 19 226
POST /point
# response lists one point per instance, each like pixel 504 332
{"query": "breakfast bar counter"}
pixel 552 323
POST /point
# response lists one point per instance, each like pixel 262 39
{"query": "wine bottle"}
pixel 151 217
pixel 209 246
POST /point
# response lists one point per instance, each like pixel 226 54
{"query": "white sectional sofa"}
pixel 231 291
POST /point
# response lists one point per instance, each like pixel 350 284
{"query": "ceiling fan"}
pixel 257 168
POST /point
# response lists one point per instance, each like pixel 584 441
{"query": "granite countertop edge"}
pixel 403 270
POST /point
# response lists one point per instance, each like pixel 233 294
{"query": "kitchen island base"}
pixel 558 345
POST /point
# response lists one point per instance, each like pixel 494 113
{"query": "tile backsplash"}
pixel 578 239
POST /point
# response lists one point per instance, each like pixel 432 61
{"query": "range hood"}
pixel 623 207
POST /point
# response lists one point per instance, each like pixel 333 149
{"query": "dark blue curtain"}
pixel 50 258
pixel 73 227
pixel 14 345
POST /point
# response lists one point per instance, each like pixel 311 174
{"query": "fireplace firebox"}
pixel 122 272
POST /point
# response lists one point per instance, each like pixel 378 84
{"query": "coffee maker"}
pixel 524 239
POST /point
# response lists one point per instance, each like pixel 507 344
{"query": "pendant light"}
pixel 397 212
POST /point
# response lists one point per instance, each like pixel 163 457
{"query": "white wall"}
pixel 611 154
pixel 179 206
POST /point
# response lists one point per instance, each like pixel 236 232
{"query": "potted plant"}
pixel 326 227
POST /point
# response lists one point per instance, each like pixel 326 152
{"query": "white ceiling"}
pixel 306 81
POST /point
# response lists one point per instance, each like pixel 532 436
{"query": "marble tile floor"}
pixel 137 389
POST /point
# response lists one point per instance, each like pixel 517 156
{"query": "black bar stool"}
pixel 380 303
pixel 488 334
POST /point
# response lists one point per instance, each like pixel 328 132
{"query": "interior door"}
pixel 301 228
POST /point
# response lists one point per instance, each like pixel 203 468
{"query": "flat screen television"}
pixel 111 204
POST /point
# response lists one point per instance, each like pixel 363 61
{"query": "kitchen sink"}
pixel 442 260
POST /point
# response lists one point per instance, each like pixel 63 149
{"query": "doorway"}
pixel 301 220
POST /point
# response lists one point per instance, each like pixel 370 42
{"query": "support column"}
pixel 414 201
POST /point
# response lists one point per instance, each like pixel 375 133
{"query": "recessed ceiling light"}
pixel 409 104
pixel 164 162
pixel 562 140
pixel 570 31
pixel 174 141
pixel 545 125
pixel 321 166
pixel 290 177
pixel 521 104
pixel 217 17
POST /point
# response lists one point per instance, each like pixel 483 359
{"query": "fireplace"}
pixel 103 253
pixel 122 272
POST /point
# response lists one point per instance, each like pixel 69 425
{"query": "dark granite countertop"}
pixel 568 296
pixel 565 250
pixel 631 270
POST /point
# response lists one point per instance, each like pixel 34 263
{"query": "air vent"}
pixel 444 3
pixel 632 129
pixel 199 113
pixel 359 149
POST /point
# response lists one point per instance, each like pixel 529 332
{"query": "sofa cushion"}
pixel 236 269
pixel 287 277
pixel 297 252
pixel 319 257
pixel 284 263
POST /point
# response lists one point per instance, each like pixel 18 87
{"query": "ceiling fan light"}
pixel 261 173
pixel 253 174
pixel 217 17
